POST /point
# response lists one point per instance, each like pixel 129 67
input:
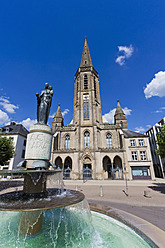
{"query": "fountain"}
pixel 44 214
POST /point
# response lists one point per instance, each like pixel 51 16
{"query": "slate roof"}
pixel 129 133
pixel 14 128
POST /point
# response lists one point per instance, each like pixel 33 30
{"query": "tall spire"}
pixel 86 57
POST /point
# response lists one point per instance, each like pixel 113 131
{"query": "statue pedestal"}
pixel 38 151
pixel 38 148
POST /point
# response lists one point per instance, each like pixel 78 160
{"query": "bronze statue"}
pixel 43 104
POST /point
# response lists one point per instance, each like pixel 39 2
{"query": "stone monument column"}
pixel 39 142
pixel 38 148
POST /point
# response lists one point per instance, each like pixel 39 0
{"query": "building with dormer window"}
pixel 18 135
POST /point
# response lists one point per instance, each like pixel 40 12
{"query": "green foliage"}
pixel 7 150
pixel 161 142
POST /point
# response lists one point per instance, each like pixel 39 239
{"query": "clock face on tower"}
pixel 85 97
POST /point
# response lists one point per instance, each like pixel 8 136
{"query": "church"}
pixel 91 148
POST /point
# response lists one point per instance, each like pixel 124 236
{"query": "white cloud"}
pixel 157 111
pixel 10 108
pixel 109 117
pixel 4 118
pixel 127 50
pixel 52 116
pixel 124 53
pixel 71 122
pixel 28 122
pixel 140 129
pixel 127 111
pixel 162 108
pixel 120 60
pixel 65 112
pixel 148 126
pixel 157 86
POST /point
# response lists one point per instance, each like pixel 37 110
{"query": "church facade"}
pixel 91 148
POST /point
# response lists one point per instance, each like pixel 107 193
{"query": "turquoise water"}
pixel 70 227
pixel 115 234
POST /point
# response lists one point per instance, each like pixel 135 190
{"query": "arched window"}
pixel 109 140
pixel 85 82
pixel 58 162
pixel 86 139
pixel 121 123
pixel 67 142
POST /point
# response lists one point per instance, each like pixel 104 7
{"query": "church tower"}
pixel 87 113
pixel 120 117
pixel 87 104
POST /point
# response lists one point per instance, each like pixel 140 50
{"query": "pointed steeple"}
pixel 86 57
pixel 120 117
pixel 58 120
pixel 58 113
pixel 119 109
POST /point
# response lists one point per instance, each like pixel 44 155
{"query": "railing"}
pixel 87 173
pixel 66 172
pixel 117 173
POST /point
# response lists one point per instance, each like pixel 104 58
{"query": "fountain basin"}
pixel 72 226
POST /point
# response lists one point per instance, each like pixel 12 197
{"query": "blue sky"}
pixel 42 41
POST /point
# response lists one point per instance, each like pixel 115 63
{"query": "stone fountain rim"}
pixel 27 171
pixel 72 197
pixel 111 212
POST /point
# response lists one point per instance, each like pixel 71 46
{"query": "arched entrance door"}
pixel 107 166
pixel 87 168
pixel 67 167
pixel 117 168
pixel 58 162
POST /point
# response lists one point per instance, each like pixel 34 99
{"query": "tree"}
pixel 161 142
pixel 7 150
